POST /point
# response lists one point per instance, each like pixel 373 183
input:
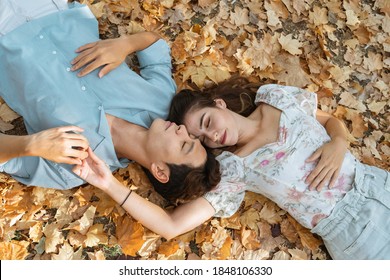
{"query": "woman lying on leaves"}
pixel 66 112
pixel 284 148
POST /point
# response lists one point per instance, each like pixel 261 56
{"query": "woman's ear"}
pixel 160 171
pixel 220 103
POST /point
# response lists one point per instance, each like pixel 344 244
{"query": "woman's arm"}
pixel 331 154
pixel 61 144
pixel 167 224
pixel 110 53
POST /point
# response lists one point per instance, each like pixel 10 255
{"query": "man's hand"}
pixel 108 53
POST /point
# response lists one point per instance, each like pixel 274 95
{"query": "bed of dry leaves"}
pixel 337 48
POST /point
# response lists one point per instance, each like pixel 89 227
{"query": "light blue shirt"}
pixel 36 82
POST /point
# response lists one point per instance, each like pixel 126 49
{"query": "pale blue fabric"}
pixel 359 225
pixel 36 81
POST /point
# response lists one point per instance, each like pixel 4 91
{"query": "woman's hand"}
pixel 331 156
pixel 61 144
pixel 108 53
pixel 94 171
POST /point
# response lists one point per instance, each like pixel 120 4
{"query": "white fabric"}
pixel 14 13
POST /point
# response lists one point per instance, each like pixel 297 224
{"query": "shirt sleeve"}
pixel 225 201
pixel 156 66
pixel 36 171
pixel 284 97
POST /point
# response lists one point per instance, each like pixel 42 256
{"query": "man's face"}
pixel 170 143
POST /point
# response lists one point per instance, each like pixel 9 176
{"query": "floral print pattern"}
pixel 278 170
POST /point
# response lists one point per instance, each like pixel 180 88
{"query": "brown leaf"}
pixel 290 45
pixel 249 239
pixel 85 222
pixel 292 72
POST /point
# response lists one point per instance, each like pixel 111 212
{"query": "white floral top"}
pixel 278 170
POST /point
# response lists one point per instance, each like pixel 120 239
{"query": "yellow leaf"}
pixel 270 213
pixel 352 18
pixel 66 252
pixel 96 236
pixel 13 250
pixel 54 237
pixel 240 16
pixel 319 16
pixel 35 232
pixel 99 255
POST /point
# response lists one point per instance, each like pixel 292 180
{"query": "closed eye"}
pixel 208 123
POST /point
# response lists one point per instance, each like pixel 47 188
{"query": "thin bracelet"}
pixel 126 198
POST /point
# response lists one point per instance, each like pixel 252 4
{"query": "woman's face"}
pixel 213 126
pixel 170 143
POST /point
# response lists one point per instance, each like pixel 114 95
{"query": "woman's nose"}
pixel 212 136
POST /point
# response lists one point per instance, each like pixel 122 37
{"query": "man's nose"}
pixel 182 130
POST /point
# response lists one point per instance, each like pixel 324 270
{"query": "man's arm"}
pixel 110 53
pixel 61 144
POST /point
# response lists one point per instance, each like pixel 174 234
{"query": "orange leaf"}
pixel 130 235
pixel 168 248
pixel 14 250
pixel 224 252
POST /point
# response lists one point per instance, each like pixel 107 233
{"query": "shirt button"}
pixel 100 108
pixel 68 69
pixel 54 52
pixel 40 36
pixel 83 88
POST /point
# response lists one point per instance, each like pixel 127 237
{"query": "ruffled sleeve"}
pixel 284 97
pixel 226 199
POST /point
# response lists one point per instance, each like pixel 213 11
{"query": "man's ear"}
pixel 160 171
pixel 220 103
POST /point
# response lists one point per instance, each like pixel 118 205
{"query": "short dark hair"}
pixel 187 183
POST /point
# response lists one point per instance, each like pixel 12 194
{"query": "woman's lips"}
pixel 223 138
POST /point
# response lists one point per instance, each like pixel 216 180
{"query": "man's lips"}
pixel 168 124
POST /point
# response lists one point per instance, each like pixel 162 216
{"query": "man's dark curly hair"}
pixel 187 183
